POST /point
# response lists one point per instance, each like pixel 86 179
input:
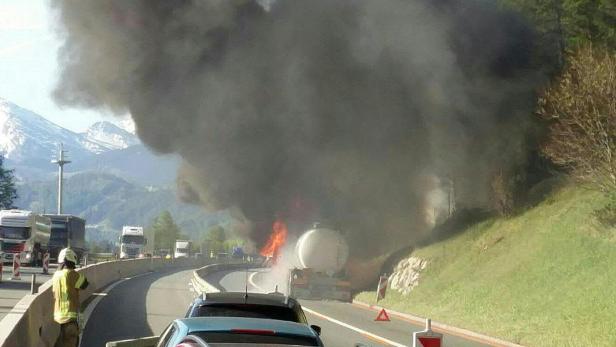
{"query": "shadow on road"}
pixel 122 313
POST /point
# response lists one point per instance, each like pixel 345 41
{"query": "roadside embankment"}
pixel 544 277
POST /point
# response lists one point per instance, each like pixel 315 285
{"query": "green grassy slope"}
pixel 546 277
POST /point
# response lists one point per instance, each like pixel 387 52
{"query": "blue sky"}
pixel 28 65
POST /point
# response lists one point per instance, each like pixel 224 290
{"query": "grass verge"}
pixel 546 277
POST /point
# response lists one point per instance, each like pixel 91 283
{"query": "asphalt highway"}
pixel 138 307
pixel 11 291
pixel 342 324
pixel 146 304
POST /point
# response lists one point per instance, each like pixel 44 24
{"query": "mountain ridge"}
pixel 29 142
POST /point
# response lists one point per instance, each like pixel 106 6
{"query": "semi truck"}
pixel 25 233
pixel 322 253
pixel 182 248
pixel 67 231
pixel 132 242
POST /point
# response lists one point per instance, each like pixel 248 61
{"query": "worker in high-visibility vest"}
pixel 66 286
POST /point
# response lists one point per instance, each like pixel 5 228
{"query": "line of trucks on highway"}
pixel 31 235
pixel 321 252
pixel 135 244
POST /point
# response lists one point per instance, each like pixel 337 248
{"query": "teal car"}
pixel 237 331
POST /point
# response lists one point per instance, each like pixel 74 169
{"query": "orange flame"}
pixel 276 240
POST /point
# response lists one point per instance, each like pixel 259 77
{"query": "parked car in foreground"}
pixel 249 305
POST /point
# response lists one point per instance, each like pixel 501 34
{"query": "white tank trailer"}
pixel 322 254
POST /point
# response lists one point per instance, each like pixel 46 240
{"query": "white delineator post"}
pixel 16 267
pixel 427 338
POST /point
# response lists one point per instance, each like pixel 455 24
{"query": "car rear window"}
pixel 277 339
pixel 249 311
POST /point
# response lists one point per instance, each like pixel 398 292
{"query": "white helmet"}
pixel 67 254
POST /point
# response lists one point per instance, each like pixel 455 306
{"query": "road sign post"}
pixel 427 338
pixel 382 288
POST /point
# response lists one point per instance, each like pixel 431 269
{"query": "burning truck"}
pixel 321 255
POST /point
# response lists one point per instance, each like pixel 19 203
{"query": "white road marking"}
pixel 356 329
pixel 251 279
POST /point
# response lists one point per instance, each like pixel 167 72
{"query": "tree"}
pixel 166 232
pixel 563 25
pixel 8 193
pixel 214 239
pixel 581 110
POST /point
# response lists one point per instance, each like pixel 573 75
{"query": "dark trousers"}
pixel 69 335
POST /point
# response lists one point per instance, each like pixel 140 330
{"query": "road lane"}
pixel 142 306
pixel 343 324
pixel 12 291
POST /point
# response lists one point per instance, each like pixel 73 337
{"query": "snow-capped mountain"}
pixel 108 136
pixel 29 142
pixel 26 137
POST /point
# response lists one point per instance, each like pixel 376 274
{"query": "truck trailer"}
pixel 25 233
pixel 67 231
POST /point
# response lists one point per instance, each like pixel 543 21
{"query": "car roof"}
pixel 229 323
pixel 242 298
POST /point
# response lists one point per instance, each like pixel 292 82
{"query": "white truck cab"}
pixel 182 248
pixel 132 242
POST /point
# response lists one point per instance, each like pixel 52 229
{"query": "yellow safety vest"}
pixel 66 284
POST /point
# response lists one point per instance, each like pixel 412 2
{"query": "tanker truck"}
pixel 321 254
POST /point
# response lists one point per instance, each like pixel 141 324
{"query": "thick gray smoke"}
pixel 337 110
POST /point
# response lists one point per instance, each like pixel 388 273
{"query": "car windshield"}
pixel 250 311
pixel 16 233
pixel 182 250
pixel 132 239
pixel 233 338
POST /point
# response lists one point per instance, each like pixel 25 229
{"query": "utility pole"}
pixel 60 161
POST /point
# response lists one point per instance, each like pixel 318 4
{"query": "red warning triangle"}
pixel 382 317
pixel 430 341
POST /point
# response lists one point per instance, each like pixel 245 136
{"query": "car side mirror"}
pixel 317 329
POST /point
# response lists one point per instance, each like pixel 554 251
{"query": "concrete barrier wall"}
pixel 30 323
pixel 202 286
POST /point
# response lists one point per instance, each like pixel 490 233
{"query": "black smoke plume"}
pixel 337 110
